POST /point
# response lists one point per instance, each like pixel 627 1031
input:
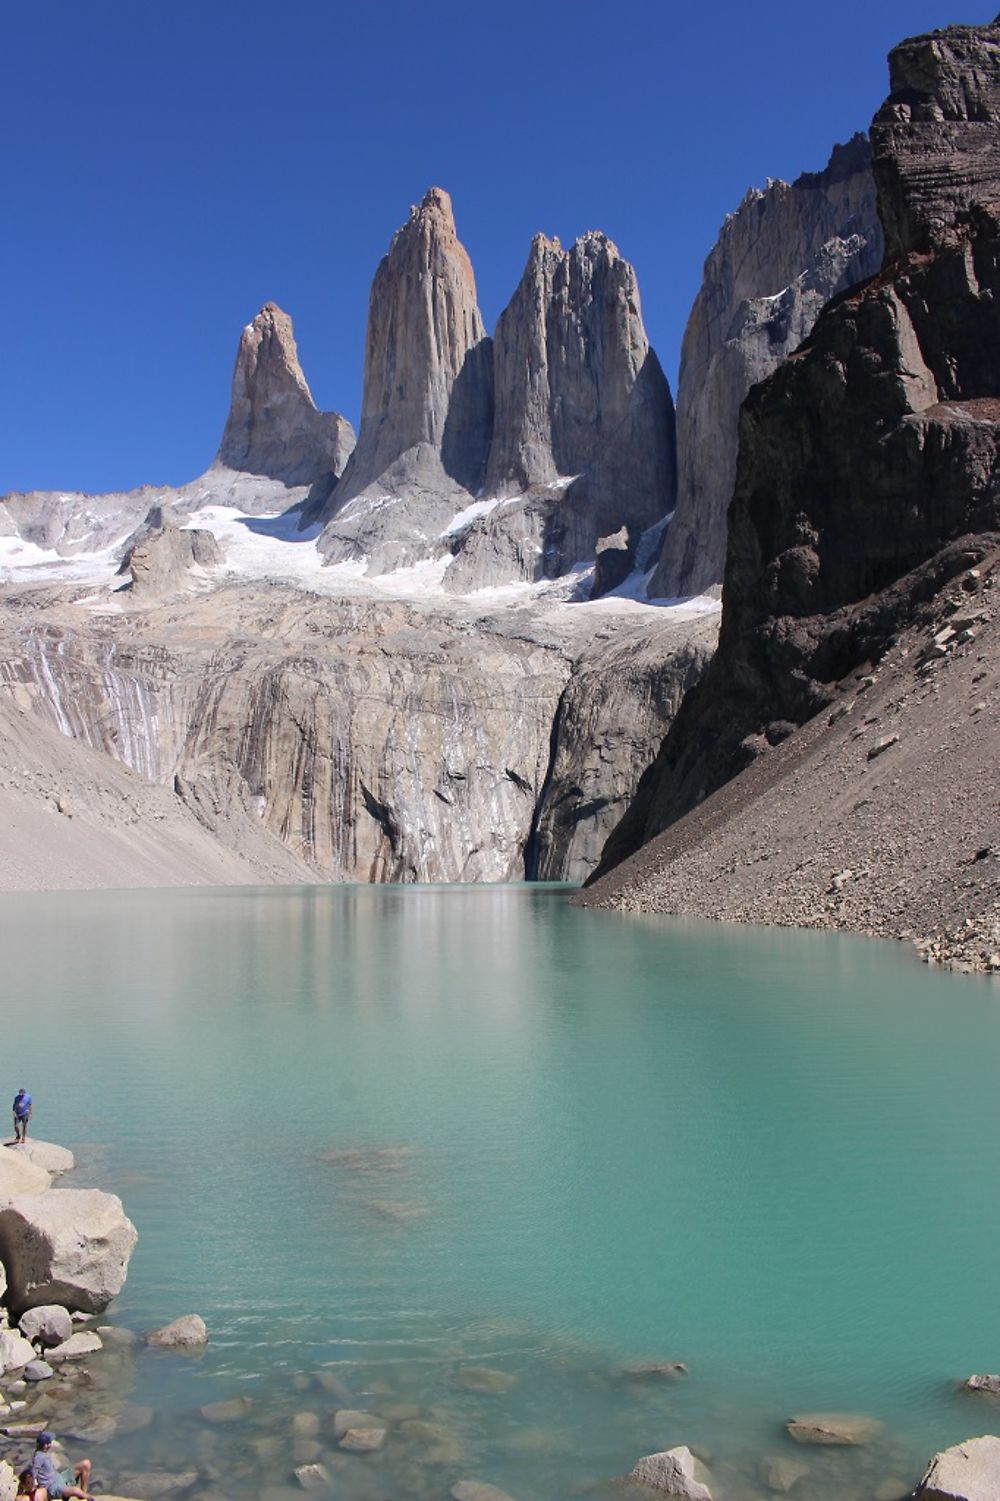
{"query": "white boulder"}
pixel 15 1351
pixel 46 1155
pixel 68 1246
pixel 967 1472
pixel 674 1472
pixel 183 1333
pixel 19 1175
pixel 76 1347
pixel 47 1325
pixel 8 1481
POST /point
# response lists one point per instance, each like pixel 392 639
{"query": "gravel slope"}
pixel 882 817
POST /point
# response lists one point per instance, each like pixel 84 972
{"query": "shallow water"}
pixel 387 1133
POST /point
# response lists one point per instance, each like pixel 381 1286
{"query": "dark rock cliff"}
pixel 870 461
pixel 779 258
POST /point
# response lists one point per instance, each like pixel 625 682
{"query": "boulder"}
pixel 313 1477
pixel 8 1481
pixel 229 1411
pixel 363 1440
pixel 346 1417
pixel 674 1472
pixel 650 1370
pixel 476 1378
pixel 38 1370
pixel 154 1483
pixel 967 1472
pixel 68 1246
pixel 97 1431
pixel 833 1428
pixel 48 1324
pixel 76 1347
pixel 112 1334
pixel 780 1472
pixel 477 1490
pixel 306 1424
pixel 988 1384
pixel 19 1175
pixel 184 1333
pixel 15 1351
pixel 48 1156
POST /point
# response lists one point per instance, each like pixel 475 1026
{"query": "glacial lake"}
pixel 387 1134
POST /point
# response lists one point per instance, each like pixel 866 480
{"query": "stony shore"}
pixel 879 817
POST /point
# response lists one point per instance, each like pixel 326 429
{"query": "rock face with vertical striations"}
pixel 583 434
pixel 426 415
pixel 870 461
pixel 273 427
pixel 786 251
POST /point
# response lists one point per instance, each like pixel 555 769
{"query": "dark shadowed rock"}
pixel 779 258
pixel 273 427
pixel 866 461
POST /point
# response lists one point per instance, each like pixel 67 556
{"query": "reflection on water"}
pixel 380 1137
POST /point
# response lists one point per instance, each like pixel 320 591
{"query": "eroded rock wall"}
pixel 871 453
pixel 780 257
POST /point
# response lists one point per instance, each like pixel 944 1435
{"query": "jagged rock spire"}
pixel 273 427
pixel 427 403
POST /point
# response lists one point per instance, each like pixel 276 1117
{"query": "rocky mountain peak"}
pixel 936 142
pixel 428 398
pixel 273 427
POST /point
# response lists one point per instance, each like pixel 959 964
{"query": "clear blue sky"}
pixel 170 165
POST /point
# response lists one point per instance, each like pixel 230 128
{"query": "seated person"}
pixel 27 1490
pixel 58 1483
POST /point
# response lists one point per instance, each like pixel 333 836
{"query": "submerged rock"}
pixel 477 1490
pixel 484 1379
pixel 967 1472
pixel 363 1440
pixel 228 1411
pixel 833 1428
pixel 649 1370
pixel 674 1472
pixel 780 1473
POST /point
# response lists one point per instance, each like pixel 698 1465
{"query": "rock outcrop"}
pixel 427 408
pixel 780 257
pixel 273 428
pixel 869 454
pixel 583 421
pixel 66 1246
pixel 398 742
pixel 966 1472
pixel 162 557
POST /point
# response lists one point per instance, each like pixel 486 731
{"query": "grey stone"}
pixel 164 554
pixel 346 1417
pixel 49 1324
pixel 882 744
pixel 78 1346
pixel 47 1155
pixel 183 1333
pixel 38 1370
pixel 67 1246
pixel 229 1410
pixel 154 1483
pixel 484 1379
pixel 306 1424
pixel 313 1477
pixel 273 427
pixel 97 1430
pixel 786 251
pixel 362 1440
pixel 833 1428
pixel 988 1384
pixel 675 1472
pixel 966 1472
pixel 780 1473
pixel 477 1490
pixel 15 1351
pixel 8 1481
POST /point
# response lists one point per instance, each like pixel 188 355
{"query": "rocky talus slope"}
pixel 867 476
pixel 779 258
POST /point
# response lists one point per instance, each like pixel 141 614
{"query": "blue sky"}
pixel 169 166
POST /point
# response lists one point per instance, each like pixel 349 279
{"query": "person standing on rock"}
pixel 58 1483
pixel 22 1115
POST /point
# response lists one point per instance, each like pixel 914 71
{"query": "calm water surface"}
pixel 392 1132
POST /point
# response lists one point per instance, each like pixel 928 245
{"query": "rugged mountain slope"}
pixel 869 456
pixel 784 253
pixel 583 432
pixel 373 739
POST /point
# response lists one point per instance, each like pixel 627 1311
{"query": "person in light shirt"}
pixel 58 1483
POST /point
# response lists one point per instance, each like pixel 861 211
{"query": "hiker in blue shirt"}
pixel 58 1483
pixel 22 1115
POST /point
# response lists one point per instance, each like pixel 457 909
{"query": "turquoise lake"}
pixel 390 1133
